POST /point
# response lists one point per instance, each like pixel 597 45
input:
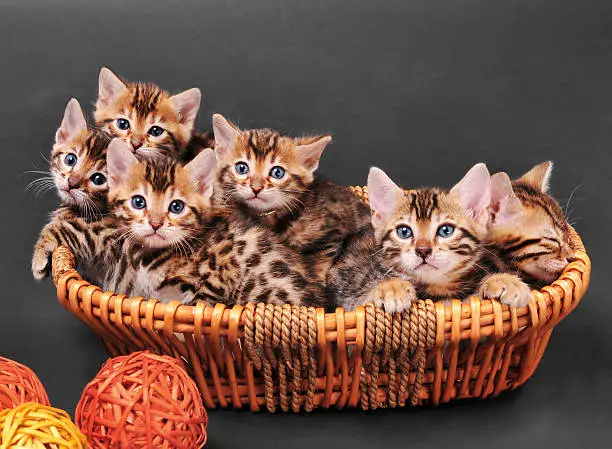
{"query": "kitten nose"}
pixel 136 143
pixel 156 225
pixel 423 251
pixel 73 183
pixel 256 189
pixel 571 259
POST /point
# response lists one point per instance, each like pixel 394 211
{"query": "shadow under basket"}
pixel 300 358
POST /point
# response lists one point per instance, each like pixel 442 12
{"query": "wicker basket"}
pixel 299 358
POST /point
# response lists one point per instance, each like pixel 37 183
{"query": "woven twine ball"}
pixel 36 426
pixel 142 401
pixel 19 384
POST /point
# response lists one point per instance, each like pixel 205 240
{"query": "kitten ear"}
pixel 109 87
pixel 310 153
pixel 119 162
pixel 226 134
pixel 203 171
pixel 538 177
pixel 385 196
pixel 504 202
pixel 474 192
pixel 187 103
pixel 73 122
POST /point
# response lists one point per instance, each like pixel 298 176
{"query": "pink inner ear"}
pixel 188 104
pixel 504 202
pixel 109 86
pixel 310 154
pixel 203 170
pixel 73 122
pixel 226 135
pixel 474 191
pixel 384 195
pixel 119 161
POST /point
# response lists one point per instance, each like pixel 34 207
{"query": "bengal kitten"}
pixel 269 180
pixel 426 243
pixel 149 118
pixel 78 171
pixel 176 246
pixel 529 235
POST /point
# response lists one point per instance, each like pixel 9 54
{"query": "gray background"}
pixel 420 88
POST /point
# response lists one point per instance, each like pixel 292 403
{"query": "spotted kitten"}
pixel 176 246
pixel 529 235
pixel 426 243
pixel 78 171
pixel 269 180
pixel 149 118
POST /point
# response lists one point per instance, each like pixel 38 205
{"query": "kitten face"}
pixel 78 162
pixel 159 203
pixel 145 115
pixel 529 226
pixel 431 235
pixel 262 169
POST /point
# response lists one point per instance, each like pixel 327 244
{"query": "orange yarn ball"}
pixel 18 385
pixel 142 400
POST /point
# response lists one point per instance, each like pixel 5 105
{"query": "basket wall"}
pixel 298 358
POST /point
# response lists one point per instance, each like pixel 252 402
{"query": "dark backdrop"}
pixel 423 89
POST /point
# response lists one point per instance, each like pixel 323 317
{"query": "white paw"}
pixel 506 288
pixel 393 295
pixel 41 265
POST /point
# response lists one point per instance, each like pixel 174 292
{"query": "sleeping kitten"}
pixel 528 235
pixel 176 246
pixel 425 243
pixel 269 180
pixel 78 170
pixel 149 118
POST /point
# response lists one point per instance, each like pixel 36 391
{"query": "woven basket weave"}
pixel 299 358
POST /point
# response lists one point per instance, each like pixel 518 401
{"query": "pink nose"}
pixel 156 226
pixel 136 144
pixel 423 252
pixel 256 190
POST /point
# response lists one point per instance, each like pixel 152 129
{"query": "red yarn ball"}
pixel 142 400
pixel 18 385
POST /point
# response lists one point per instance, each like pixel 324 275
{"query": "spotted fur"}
pixel 314 216
pixel 437 267
pixel 199 254
pixel 147 108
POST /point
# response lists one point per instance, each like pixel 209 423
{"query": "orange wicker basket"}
pixel 299 358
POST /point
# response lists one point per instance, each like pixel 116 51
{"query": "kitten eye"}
pixel 156 131
pixel 123 124
pixel 98 179
pixel 404 232
pixel 70 160
pixel 277 172
pixel 138 202
pixel 176 206
pixel 241 168
pixel 446 230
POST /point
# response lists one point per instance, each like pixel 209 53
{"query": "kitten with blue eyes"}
pixel 176 246
pixel 149 118
pixel 269 180
pixel 425 243
pixel 78 171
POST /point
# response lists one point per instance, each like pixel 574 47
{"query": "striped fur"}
pixel 145 106
pixel 221 262
pixel 424 264
pixel 314 216
pixel 529 234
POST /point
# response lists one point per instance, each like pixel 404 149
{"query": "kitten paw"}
pixel 41 264
pixel 506 288
pixel 393 295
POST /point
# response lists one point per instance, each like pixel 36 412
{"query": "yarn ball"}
pixel 142 400
pixel 19 384
pixel 39 426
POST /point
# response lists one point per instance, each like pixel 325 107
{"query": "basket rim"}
pixel 548 306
